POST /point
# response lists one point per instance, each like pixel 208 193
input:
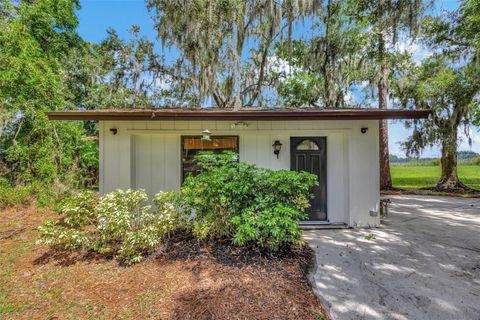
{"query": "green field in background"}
pixel 421 176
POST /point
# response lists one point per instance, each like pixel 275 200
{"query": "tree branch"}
pixel 14 141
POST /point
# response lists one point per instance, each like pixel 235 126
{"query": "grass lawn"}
pixel 414 177
pixel 178 283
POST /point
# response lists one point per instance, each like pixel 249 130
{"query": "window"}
pixel 307 145
pixel 193 145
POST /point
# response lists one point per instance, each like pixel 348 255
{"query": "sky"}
pixel 96 16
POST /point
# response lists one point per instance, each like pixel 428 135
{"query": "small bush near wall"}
pixel 118 224
pixel 228 200
pixel 244 203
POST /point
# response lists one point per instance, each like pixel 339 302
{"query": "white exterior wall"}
pixel 146 154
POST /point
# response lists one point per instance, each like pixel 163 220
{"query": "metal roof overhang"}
pixel 244 114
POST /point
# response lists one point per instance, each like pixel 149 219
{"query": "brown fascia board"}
pixel 253 115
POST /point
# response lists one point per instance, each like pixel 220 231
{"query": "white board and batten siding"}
pixel 147 154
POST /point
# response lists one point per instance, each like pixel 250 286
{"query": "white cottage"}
pixel 154 149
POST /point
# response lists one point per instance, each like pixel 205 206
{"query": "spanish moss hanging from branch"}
pixel 225 45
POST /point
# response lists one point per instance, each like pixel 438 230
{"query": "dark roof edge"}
pixel 274 115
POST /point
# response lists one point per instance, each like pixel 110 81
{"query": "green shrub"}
pixel 119 225
pixel 243 203
pixel 474 161
pixel 47 195
pixel 86 175
pixel 14 196
pixel 222 190
pixel 4 183
pixel 39 194
pixel 271 228
pixel 280 202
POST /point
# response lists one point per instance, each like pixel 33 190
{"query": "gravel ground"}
pixel 423 263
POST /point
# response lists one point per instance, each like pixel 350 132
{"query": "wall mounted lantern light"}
pixel 206 135
pixel 364 130
pixel 114 131
pixel 277 146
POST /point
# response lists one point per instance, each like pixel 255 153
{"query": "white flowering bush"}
pixel 171 210
pixel 54 233
pixel 71 233
pixel 120 215
pixel 79 211
pixel 119 224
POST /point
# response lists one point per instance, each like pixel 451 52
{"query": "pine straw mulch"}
pixel 183 280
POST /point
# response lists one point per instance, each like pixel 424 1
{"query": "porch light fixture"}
pixel 277 146
pixel 206 135
pixel 114 131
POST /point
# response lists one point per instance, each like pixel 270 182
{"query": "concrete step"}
pixel 322 225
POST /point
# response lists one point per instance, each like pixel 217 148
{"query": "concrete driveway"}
pixel 423 263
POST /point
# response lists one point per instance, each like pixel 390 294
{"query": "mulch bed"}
pixel 183 280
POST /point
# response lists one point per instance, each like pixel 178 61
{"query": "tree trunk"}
pixel 326 75
pixel 449 179
pixel 238 61
pixel 385 177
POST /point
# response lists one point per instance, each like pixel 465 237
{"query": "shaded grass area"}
pixel 422 176
pixel 184 280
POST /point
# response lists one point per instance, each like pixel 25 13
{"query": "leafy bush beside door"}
pixel 244 203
